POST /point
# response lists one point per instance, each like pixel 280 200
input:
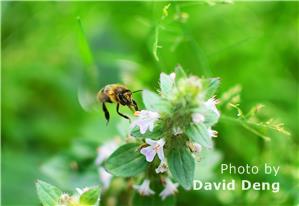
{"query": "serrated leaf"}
pixel 166 84
pixel 154 102
pixel 48 194
pixel 90 197
pixel 181 165
pixel 199 133
pixel 211 85
pixel 126 161
pixel 155 134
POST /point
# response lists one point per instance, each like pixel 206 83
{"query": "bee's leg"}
pixel 117 109
pixel 107 115
pixel 135 105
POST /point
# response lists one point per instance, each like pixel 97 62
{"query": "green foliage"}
pixel 166 84
pixel 90 197
pixel 153 102
pixel 211 116
pixel 180 73
pixel 199 133
pixel 234 42
pixel 126 161
pixel 181 165
pixel 48 194
pixel 211 86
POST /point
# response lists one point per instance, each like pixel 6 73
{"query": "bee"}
pixel 119 94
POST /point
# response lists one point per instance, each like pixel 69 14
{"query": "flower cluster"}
pixel 182 116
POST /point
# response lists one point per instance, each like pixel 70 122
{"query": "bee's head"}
pixel 125 97
pixel 128 96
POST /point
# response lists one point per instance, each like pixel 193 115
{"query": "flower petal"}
pixel 149 153
pixel 150 141
pixel 161 154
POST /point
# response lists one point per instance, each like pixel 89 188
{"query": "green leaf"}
pixel 154 102
pixel 205 168
pixel 48 194
pixel 181 165
pixel 211 85
pixel 199 133
pixel 211 116
pixel 166 84
pixel 90 197
pixel 126 161
pixel 155 134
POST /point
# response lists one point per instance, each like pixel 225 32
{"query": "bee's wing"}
pixel 87 88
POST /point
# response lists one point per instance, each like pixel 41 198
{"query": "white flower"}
pixel 144 189
pixel 155 147
pixel 194 147
pixel 170 189
pixel 105 150
pixel 162 167
pixel 172 76
pixel 211 104
pixel 145 120
pixel 176 131
pixel 212 133
pixel 198 118
pixel 105 177
pixel 197 147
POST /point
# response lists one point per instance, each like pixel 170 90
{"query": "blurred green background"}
pixel 251 44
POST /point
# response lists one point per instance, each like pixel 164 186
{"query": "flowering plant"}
pixel 168 134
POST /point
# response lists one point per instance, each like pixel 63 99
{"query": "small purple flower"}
pixel 198 118
pixel 155 147
pixel 170 189
pixel 211 104
pixel 145 120
pixel 197 147
pixel 194 147
pixel 162 167
pixel 144 189
pixel 105 150
pixel 212 133
pixel 105 177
